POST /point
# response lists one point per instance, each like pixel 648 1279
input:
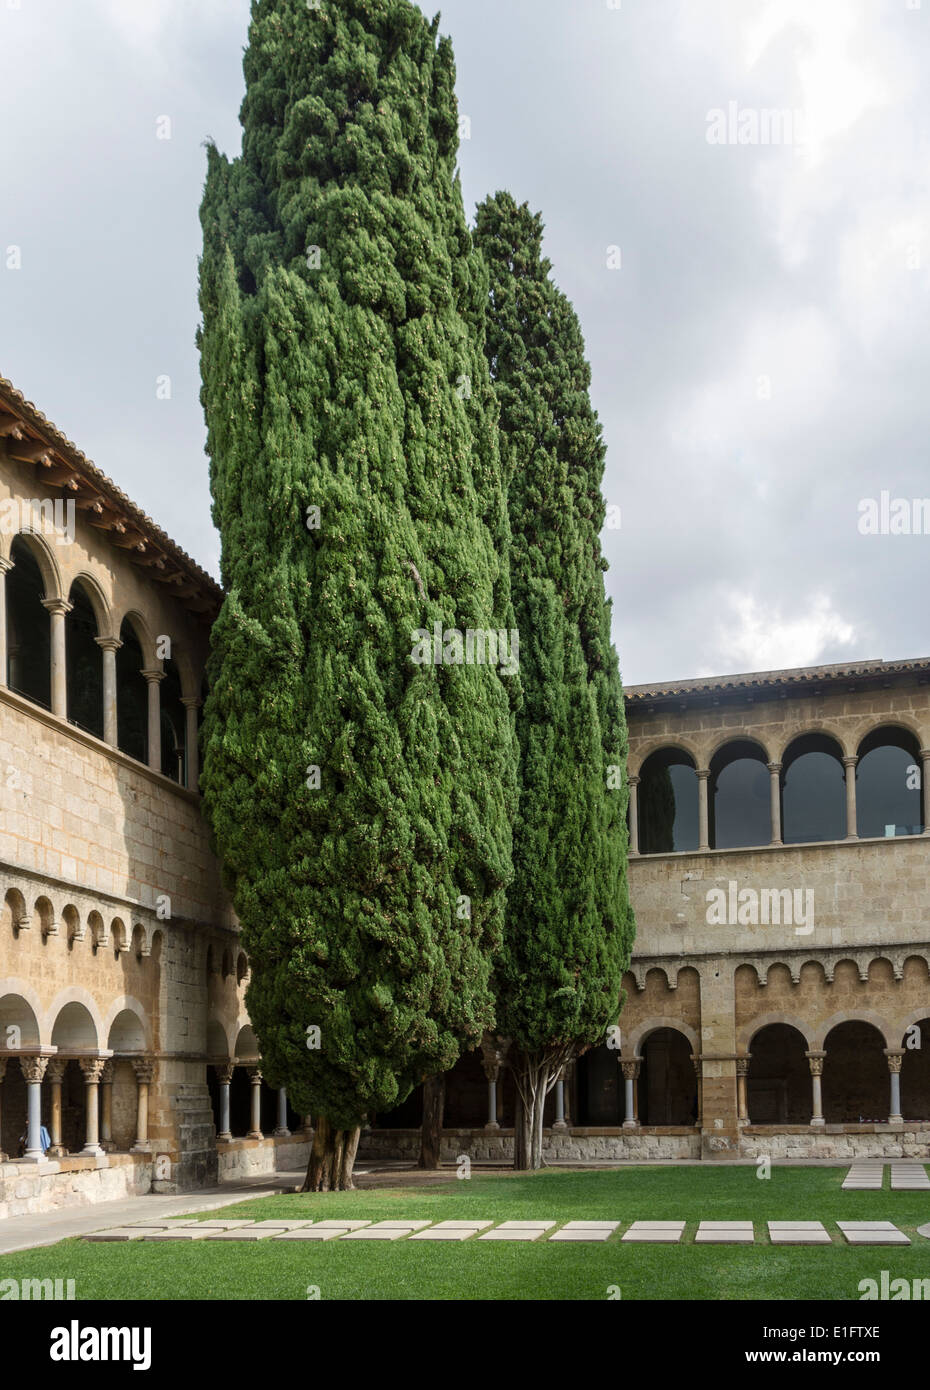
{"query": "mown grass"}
pixel 474 1269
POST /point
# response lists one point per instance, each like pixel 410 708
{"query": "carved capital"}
pixel 774 767
pixel 144 1069
pixel 108 644
pixel 33 1068
pixel 106 1076
pixel 255 1075
pixel 630 1069
pixel 92 1067
pixel 895 1058
pixel 58 607
pixel 56 1069
pixel 224 1072
pixel 152 675
pixel 815 1061
pixel 742 1066
pixel 850 760
pixel 696 1061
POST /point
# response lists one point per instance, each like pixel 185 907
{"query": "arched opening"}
pixel 915 1072
pixel 126 1033
pixel 667 1086
pixel 813 799
pixel 407 1115
pixel 739 800
pixel 132 718
pixel 84 663
pixel 15 916
pixel 466 1094
pixel 668 803
pixel 856 1087
pixel 779 1080
pixel 598 1087
pixel 74 1030
pixel 173 727
pixel 240 1103
pixel 18 1025
pixel 888 796
pixel 28 628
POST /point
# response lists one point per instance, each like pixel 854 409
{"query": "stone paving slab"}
pixel 245 1233
pixel 118 1233
pixel 799 1233
pixel 725 1233
pixel 400 1225
pixel 379 1233
pixel 434 1233
pixel 208 1225
pixel 526 1225
pixel 463 1225
pixel 924 1231
pixel 311 1233
pixel 185 1233
pixel 524 1233
pixel 593 1233
pixel 655 1232
pixel 590 1225
pixel 872 1233
pixel 278 1225
pixel 340 1225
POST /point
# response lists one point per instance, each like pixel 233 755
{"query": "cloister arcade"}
pixel 69 652
pixel 818 788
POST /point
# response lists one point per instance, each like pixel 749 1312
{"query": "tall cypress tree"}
pixel 361 800
pixel 569 923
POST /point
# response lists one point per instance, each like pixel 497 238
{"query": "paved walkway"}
pixel 48 1227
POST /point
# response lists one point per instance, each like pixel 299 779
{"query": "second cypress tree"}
pixel 569 925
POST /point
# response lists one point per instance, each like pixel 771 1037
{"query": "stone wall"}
pixel 29 1188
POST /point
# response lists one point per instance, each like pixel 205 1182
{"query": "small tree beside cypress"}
pixel 569 927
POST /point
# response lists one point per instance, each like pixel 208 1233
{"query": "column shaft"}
pixel 703 777
pixel 58 608
pixel 775 801
pixel 110 646
pixel 5 567
pixel 852 829
pixel 634 815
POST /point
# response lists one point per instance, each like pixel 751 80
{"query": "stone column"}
pixel 775 801
pixel 5 567
pixel 567 1075
pixel 852 829
pixel 224 1075
pixel 699 1073
pixel 703 776
pixel 925 784
pixel 33 1069
pixel 634 815
pixel 282 1131
pixel 192 704
pixel 55 1074
pixel 559 1121
pixel 895 1057
pixel 815 1060
pixel 255 1132
pixel 58 608
pixel 154 679
pixel 106 1107
pixel 92 1067
pixel 110 646
pixel 630 1071
pixel 144 1069
pixel 3 1062
pixel 742 1089
pixel 491 1066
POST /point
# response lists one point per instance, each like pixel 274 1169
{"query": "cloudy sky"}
pixel 754 290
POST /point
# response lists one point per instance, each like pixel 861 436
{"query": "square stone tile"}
pixel 379 1233
pixel 435 1233
pixel 340 1225
pixel 279 1225
pixel 151 1225
pixel 521 1233
pixel 655 1233
pixel 592 1234
pixel 463 1225
pixel 526 1225
pixel 311 1233
pixel 924 1231
pixel 184 1233
pixel 118 1233
pixel 872 1233
pixel 220 1225
pixel 800 1233
pixel 725 1233
pixel 399 1225
pixel 590 1225
pixel 244 1233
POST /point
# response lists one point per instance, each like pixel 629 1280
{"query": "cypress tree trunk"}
pixel 332 1158
pixel 434 1104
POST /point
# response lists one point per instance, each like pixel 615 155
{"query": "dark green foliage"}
pixel 569 922
pixel 359 388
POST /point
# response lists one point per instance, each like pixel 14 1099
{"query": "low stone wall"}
pixel 837 1141
pixel 29 1188
pixel 578 1145
pixel 250 1158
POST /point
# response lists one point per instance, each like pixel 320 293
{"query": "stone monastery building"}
pixel 778 996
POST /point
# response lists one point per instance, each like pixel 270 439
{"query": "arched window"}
pixel 667 1080
pixel 84 664
pixel 779 1082
pixel 173 727
pixel 855 1075
pixel 813 802
pixel 131 697
pixel 888 784
pixel 668 803
pixel 739 804
pixel 28 628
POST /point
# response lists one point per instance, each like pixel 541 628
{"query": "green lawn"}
pixel 491 1270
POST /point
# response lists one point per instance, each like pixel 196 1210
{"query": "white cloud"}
pixel 761 637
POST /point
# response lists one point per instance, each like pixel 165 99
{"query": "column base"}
pixel 143 1146
pixel 492 1124
pixel 108 1146
pixel 92 1151
pixel 818 1124
pixel 32 1156
pixel 255 1134
pixel 224 1138
pixel 57 1151
pixel 896 1119
pixel 559 1124
pixel 281 1133
pixel 630 1124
